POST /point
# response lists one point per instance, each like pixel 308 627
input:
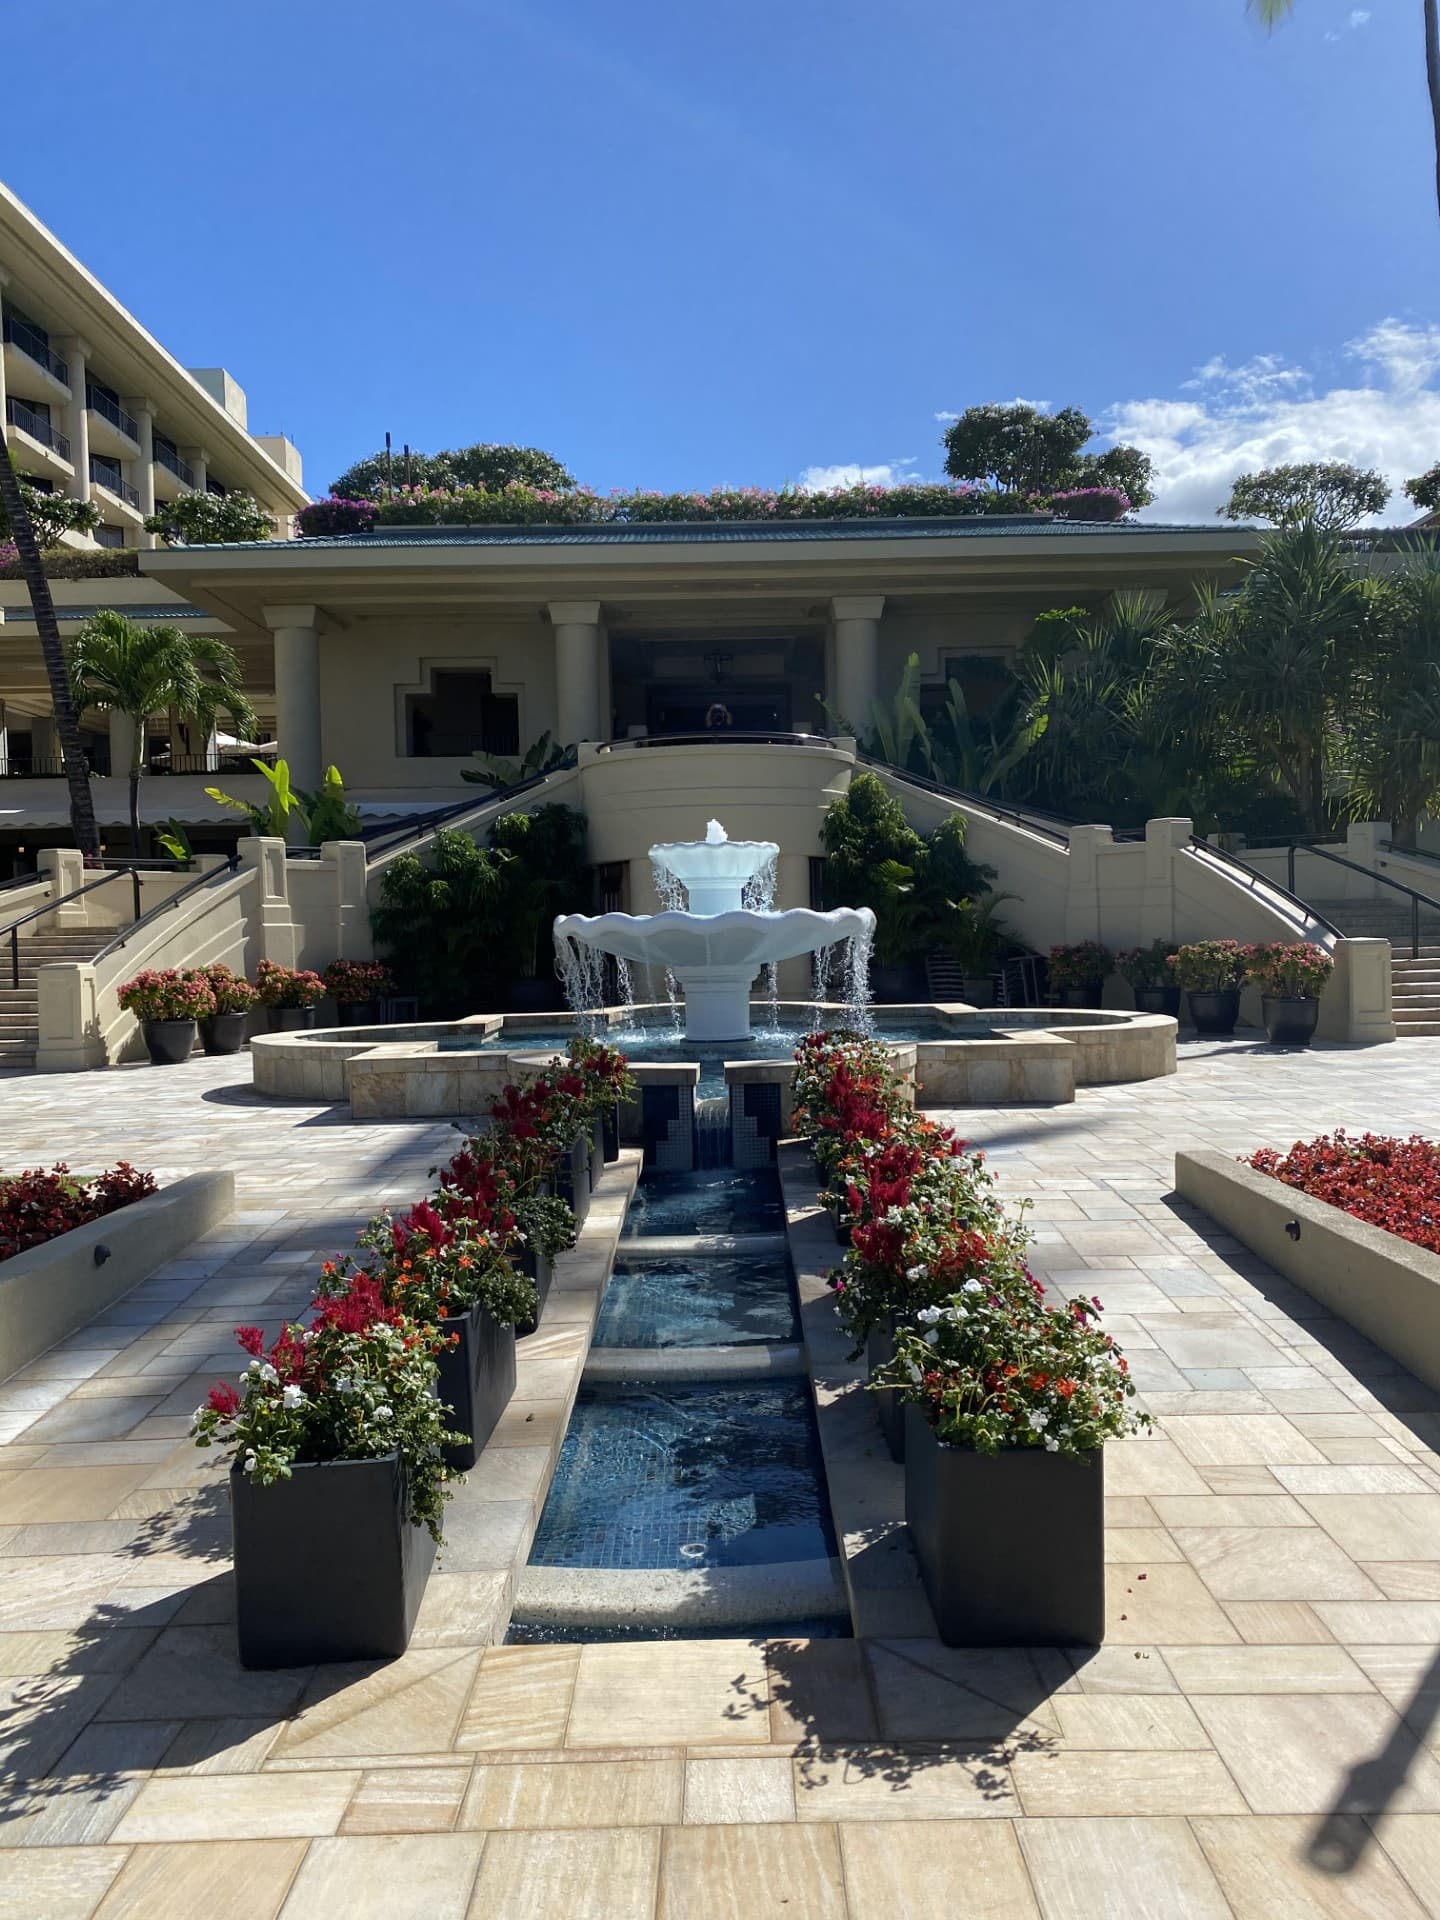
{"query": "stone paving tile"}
pixel 415 1876
pixel 1164 1870
pixel 751 1873
pixel 224 1880
pixel 583 1874
pixel 893 1871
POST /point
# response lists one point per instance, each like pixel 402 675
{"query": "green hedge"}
pixel 76 563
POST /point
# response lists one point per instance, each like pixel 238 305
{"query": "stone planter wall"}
pixel 1383 1286
pixel 51 1291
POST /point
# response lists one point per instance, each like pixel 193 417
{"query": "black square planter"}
pixel 1011 1545
pixel 610 1132
pixel 477 1378
pixel 327 1564
pixel 597 1151
pixel 572 1176
pixel 879 1352
pixel 540 1270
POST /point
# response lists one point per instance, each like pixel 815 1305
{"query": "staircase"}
pixel 1416 981
pixel 20 1006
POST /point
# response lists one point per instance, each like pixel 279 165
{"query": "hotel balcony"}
pixel 173 476
pixel 31 362
pixel 39 448
pixel 106 474
pixel 112 430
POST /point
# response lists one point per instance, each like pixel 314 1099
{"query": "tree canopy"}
pixel 1024 449
pixel 483 465
pixel 1424 489
pixel 1330 493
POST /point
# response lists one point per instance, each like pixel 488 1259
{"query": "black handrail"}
pixel 1050 826
pixel 378 838
pixel 164 906
pixel 63 900
pixel 1416 898
pixel 722 737
pixel 1196 844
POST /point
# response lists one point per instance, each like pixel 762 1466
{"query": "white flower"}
pixel 932 1335
pixel 1039 1421
pixel 293 1396
pixel 1052 1446
pixel 916 1273
pixel 269 1375
pixel 913 1370
pixel 972 1286
pixel 927 1316
pixel 384 1413
pixel 248 1463
pixel 344 1383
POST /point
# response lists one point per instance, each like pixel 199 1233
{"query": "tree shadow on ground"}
pixel 904 1712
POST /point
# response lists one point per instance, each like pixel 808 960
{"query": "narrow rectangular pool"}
pixel 701 1300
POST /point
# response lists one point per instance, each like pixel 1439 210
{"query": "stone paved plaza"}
pixel 1258 1737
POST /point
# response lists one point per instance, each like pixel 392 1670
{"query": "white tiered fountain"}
pixel 715 945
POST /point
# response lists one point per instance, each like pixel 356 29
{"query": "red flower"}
pixel 223 1400
pixel 252 1339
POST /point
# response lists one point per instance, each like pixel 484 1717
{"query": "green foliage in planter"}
pixel 77 563
pixel 1208 966
pixel 495 771
pixel 544 871
pixel 1290 970
pixel 438 922
pixel 277 986
pixel 481 466
pixel 874 858
pixel 1084 964
pixel 207 519
pixel 167 994
pixel 1147 966
pixel 975 936
pixel 324 813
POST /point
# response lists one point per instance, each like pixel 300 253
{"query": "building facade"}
pixel 95 408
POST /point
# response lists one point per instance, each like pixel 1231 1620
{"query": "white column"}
pixel 297 690
pixel 198 462
pixel 853 691
pixel 582 672
pixel 144 414
pixel 4 282
pixel 77 423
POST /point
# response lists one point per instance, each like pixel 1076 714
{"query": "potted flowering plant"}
pixel 547 1130
pixel 289 995
pixel 608 1082
pixel 1078 973
pixel 457 1277
pixel 337 1484
pixel 1008 1404
pixel 1211 971
pixel 223 1031
pixel 357 987
pixel 1147 973
pixel 168 1004
pixel 482 1184
pixel 1291 978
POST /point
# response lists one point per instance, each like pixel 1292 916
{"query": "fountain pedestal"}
pixel 717 1002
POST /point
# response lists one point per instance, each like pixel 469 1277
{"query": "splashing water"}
pixel 820 963
pixel 758 893
pixel 772 993
pixel 625 987
pixel 582 970
pixel 669 890
pixel 856 978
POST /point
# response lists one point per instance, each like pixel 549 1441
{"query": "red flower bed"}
pixel 1391 1183
pixel 36 1205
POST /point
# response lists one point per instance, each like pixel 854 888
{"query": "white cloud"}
pixel 1268 413
pixel 889 473
pixel 1358 17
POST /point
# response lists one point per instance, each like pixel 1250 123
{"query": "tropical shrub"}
pixel 438 923
pixel 1290 971
pixel 482 466
pixel 230 993
pixel 1389 1182
pixel 994 1367
pixel 52 514
pixel 544 871
pixel 1147 966
pixel 1208 966
pixel 168 994
pixel 1084 964
pixel 1090 503
pixel 352 982
pixel 497 772
pixel 335 516
pixel 37 1205
pixel 207 519
pixel 277 986
pixel 356 1384
pixel 76 563
pixel 324 812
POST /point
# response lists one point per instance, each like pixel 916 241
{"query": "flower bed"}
pixel 1383 1180
pixel 38 1205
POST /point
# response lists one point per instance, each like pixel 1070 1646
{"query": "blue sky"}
pixel 689 246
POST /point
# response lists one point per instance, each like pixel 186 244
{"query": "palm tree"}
pixel 67 718
pixel 141 671
pixel 1272 12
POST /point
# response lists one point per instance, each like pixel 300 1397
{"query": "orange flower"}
pixel 1065 1388
pixel 1039 1382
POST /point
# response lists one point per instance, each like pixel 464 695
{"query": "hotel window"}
pixel 104 536
pixel 461 715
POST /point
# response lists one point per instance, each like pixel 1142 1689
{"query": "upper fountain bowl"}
pixel 714 871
